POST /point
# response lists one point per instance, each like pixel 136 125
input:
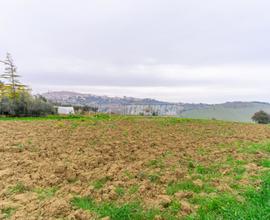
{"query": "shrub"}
pixel 261 117
pixel 25 105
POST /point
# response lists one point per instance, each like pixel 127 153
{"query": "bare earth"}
pixel 46 163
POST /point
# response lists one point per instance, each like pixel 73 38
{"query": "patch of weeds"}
pixel 208 188
pixel 18 188
pixel 60 124
pixel 239 170
pixel 167 153
pixel 240 162
pixel 141 175
pixel 74 125
pixel 125 142
pixel 101 116
pixel 128 175
pixel 98 184
pixel 183 186
pixel 154 178
pixel 120 191
pixel 230 159
pixel 156 163
pixel 20 147
pixel 174 207
pixel 255 204
pixel 127 211
pixel 7 212
pixel 254 148
pixel 125 133
pixel 201 151
pixel 133 189
pixel 191 165
pixel 111 126
pixel 45 193
pixel 238 177
pixel 265 163
pixel 204 170
pixel 235 186
pixel 173 121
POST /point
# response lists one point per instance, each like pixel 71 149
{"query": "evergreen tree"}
pixel 13 85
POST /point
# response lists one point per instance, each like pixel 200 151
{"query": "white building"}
pixel 65 110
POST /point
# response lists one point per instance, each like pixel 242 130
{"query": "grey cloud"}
pixel 67 42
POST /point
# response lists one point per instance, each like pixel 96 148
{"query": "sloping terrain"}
pixel 230 111
pixel 241 112
pixel 133 168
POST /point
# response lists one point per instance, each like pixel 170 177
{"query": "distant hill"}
pixel 231 111
pixel 74 98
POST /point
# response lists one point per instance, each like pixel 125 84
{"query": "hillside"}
pixel 231 111
pixel 238 111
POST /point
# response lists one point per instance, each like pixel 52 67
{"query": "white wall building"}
pixel 65 110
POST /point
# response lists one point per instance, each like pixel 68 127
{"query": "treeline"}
pixel 15 97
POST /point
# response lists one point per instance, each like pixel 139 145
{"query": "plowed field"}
pixel 130 168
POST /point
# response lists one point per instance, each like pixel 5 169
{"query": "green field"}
pixel 240 114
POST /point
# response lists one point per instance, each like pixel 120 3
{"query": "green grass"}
pixel 61 117
pixel 133 189
pixel 18 188
pixel 50 117
pixel 20 147
pixel 167 121
pixel 128 175
pixel 204 170
pixel 241 114
pixel 187 185
pixel 128 211
pixel 174 207
pixel 45 193
pixel 265 163
pixel 7 212
pixel 255 148
pixel 120 191
pixel 255 204
pixel 98 184
pixel 156 163
pixel 154 178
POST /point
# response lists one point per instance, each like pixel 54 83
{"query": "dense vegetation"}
pixel 261 117
pixel 15 97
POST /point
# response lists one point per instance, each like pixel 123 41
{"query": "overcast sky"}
pixel 176 50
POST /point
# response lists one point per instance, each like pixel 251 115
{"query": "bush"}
pixel 25 105
pixel 261 117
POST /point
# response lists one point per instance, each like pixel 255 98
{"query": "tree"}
pixel 261 117
pixel 13 85
pixel 2 88
pixel 16 99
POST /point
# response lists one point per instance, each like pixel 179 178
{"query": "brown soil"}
pixel 72 155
